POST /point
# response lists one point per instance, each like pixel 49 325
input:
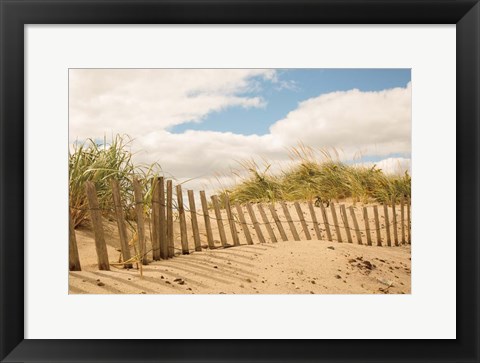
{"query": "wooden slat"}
pixel 343 212
pixel 155 221
pixel 395 224
pixel 302 220
pixel 162 235
pixel 253 218
pixel 325 222
pixel 193 217
pixel 73 259
pixel 402 219
pixel 183 221
pixel 231 221
pixel 278 222
pixel 314 220
pixel 367 226
pixel 377 225
pixel 335 222
pixel 387 225
pixel 355 225
pixel 206 218
pixel 142 243
pixel 122 227
pixel 97 224
pixel 409 222
pixel 296 237
pixel 266 222
pixel 170 231
pixel 218 215
pixel 243 222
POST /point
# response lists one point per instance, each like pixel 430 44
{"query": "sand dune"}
pixel 292 267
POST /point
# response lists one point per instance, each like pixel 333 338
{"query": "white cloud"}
pixel 394 166
pixel 202 153
pixel 377 123
pixel 136 101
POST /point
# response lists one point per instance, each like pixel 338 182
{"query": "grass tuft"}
pixel 100 163
pixel 315 174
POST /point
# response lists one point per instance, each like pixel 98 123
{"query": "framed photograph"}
pixel 239 181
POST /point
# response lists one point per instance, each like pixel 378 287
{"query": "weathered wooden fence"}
pixel 177 227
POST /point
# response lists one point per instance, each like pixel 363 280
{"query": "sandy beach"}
pixel 290 267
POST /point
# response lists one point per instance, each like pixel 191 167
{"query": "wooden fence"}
pixel 173 228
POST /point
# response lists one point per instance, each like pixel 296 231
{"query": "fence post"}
pixel 267 223
pixel 325 222
pixel 387 225
pixel 193 216
pixel 314 220
pixel 162 231
pixel 367 226
pixel 355 225
pixel 335 222
pixel 296 237
pixel 402 217
pixel 302 220
pixel 170 237
pixel 73 259
pixel 243 222
pixel 409 225
pixel 96 216
pixel 218 215
pixel 183 222
pixel 278 222
pixel 137 189
pixel 253 218
pixel 122 228
pixel 395 225
pixel 231 221
pixel 155 224
pixel 377 225
pixel 343 212
pixel 206 218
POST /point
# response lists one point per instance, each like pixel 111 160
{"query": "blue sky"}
pixel 292 87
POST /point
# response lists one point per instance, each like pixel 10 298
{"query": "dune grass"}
pixel 99 163
pixel 315 174
pixel 311 174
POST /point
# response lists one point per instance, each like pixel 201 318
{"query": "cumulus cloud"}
pixel 376 123
pixel 145 103
pixel 202 154
pixel 136 101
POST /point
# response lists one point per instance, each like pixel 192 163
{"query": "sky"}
pixel 199 123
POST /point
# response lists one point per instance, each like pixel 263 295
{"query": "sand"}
pixel 314 266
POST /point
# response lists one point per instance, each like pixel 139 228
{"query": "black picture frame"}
pixel 15 14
